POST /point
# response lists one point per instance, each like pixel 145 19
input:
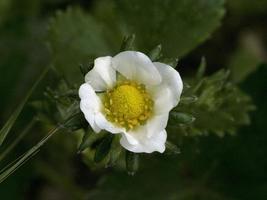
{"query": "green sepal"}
pixel 188 100
pixel 103 148
pixel 86 68
pixel 155 54
pixel 202 68
pixel 182 118
pixel 132 162
pixel 172 148
pixel 128 43
pixel 76 122
pixel 89 138
pixel 170 61
pixel 115 152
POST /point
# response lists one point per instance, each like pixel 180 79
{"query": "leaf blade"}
pixel 179 25
pixel 10 122
pixel 12 167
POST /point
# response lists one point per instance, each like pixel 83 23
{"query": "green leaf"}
pixel 10 122
pixel 7 171
pixel 75 38
pixel 17 139
pixel 103 148
pixel 13 166
pixel 179 25
pixel 132 162
pixel 221 107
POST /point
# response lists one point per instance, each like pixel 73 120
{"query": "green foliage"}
pixel 88 139
pixel 22 49
pixel 132 162
pixel 10 122
pixel 74 38
pixel 8 170
pixel 179 25
pixel 155 54
pixel 170 61
pixel 60 104
pixel 220 106
pixel 116 152
pixel 13 166
pixel 181 118
pixel 172 148
pixel 17 139
pixel 128 43
pixel 103 148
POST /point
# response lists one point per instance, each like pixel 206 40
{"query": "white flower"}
pixel 131 95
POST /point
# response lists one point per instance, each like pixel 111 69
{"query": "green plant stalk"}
pixel 20 161
pixel 13 166
pixel 17 140
pixel 10 122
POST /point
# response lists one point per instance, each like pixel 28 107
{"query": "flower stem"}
pixel 18 139
pixel 13 166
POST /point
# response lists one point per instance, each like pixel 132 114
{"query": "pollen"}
pixel 128 104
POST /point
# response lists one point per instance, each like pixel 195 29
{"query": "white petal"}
pixel 90 105
pixel 130 138
pixel 103 123
pixel 102 76
pixel 94 79
pixel 171 78
pixel 91 120
pixel 162 97
pixel 136 66
pixel 156 123
pixel 157 141
pixel 139 135
pixel 147 145
pixel 90 100
pixel 130 147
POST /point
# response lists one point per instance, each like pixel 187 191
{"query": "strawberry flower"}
pixel 128 94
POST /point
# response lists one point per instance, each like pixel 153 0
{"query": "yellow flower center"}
pixel 128 104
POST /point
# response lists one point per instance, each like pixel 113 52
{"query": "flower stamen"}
pixel 128 104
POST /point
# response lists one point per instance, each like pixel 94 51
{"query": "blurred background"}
pixel 32 34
